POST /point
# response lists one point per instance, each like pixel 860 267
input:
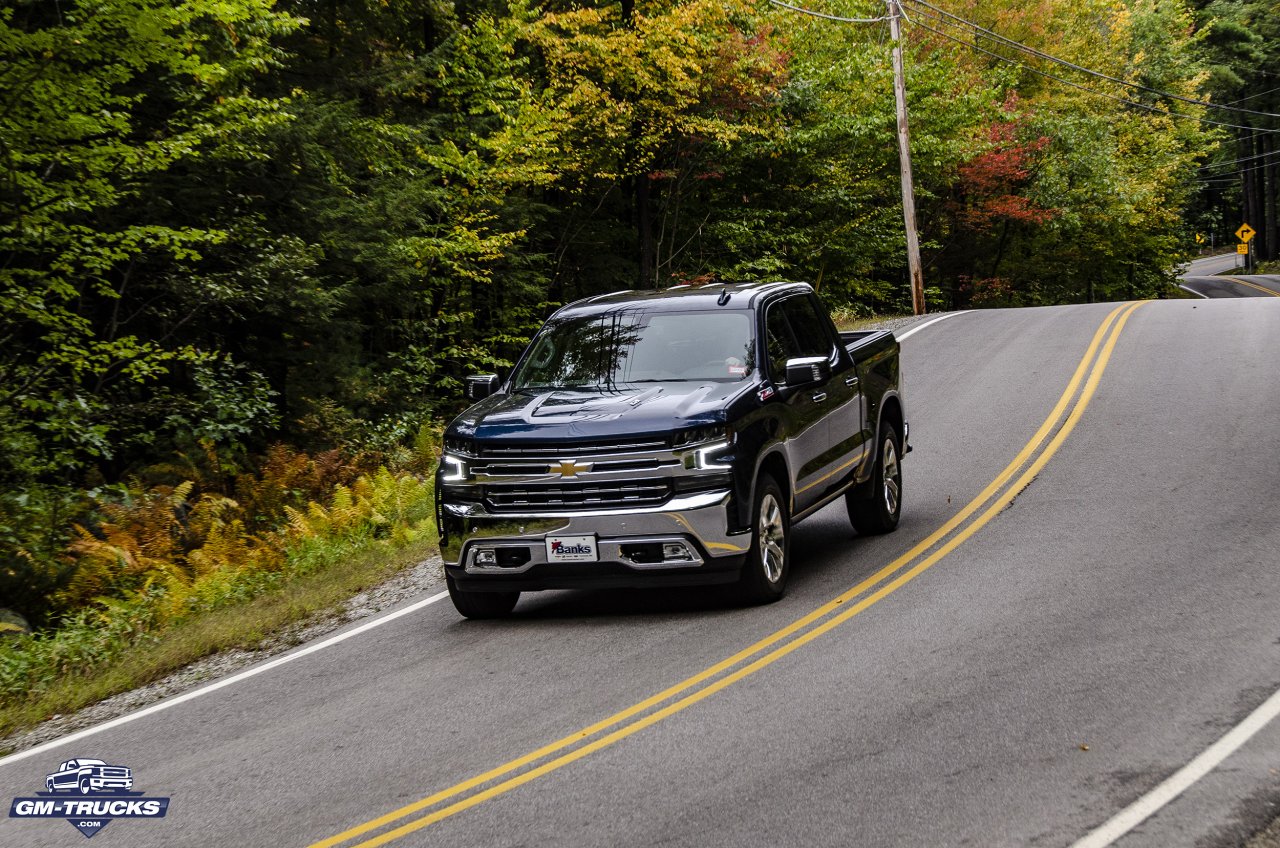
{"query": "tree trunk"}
pixel 644 228
pixel 1270 199
pixel 1252 191
pixel 642 187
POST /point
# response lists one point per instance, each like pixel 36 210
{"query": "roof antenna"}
pixel 724 297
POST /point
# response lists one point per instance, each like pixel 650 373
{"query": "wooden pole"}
pixel 904 160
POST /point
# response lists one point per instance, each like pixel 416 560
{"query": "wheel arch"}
pixel 774 463
pixel 891 411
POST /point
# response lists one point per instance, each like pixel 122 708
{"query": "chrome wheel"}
pixel 874 506
pixel 892 477
pixel 772 533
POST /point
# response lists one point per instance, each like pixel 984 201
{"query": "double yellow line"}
pixel 994 498
pixel 1262 289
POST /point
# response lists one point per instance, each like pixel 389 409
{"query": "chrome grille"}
pixel 512 498
pixel 531 450
pixel 533 468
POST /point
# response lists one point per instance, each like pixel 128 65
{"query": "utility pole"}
pixel 904 159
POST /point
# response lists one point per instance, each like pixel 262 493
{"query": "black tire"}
pixel 481 604
pixel 85 787
pixel 875 506
pixel 764 575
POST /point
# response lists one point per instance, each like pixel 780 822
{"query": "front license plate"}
pixel 572 549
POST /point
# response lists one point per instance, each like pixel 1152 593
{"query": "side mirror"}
pixel 480 386
pixel 804 370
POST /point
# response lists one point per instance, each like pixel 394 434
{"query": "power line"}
pixel 1239 161
pixel 1252 96
pixel 1042 55
pixel 1134 103
pixel 1231 177
pixel 802 10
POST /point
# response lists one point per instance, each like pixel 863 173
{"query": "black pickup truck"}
pixel 668 438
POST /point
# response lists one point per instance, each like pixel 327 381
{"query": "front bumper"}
pixel 111 782
pixel 700 521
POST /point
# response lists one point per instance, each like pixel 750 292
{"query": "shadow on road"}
pixel 816 550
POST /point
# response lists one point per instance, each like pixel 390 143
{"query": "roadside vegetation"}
pixel 167 574
pixel 249 248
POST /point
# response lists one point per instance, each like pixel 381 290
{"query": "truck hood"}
pixel 573 414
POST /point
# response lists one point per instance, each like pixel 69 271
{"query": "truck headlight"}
pixel 713 455
pixel 705 446
pixel 459 446
pixel 455 469
pixel 698 435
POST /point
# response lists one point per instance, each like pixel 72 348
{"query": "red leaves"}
pixel 991 184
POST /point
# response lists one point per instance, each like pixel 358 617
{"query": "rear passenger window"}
pixel 780 343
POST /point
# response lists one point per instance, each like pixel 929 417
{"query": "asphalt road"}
pixel 1214 277
pixel 1062 656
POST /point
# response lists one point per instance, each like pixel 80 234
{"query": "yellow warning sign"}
pixel 1242 248
pixel 1245 233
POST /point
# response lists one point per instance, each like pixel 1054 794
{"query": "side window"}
pixel 809 328
pixel 779 342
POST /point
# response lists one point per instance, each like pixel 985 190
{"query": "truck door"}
pixel 790 332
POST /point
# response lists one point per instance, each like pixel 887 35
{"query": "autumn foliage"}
pixel 992 186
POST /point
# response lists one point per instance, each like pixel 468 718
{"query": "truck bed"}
pixel 865 343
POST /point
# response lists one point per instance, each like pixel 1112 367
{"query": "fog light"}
pixel 486 556
pixel 676 552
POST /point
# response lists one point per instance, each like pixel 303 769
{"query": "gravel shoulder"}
pixel 1268 838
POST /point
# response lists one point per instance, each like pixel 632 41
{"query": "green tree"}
pixel 99 103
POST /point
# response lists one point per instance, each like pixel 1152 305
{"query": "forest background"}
pixel 248 248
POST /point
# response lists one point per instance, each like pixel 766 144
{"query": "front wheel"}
pixel 874 507
pixel 481 604
pixel 764 576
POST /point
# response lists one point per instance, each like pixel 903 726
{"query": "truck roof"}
pixel 680 298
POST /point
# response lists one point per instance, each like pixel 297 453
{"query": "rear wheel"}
pixel 764 576
pixel 481 604
pixel 874 507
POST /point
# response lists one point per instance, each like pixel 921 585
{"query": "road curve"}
pixel 1084 641
pixel 1208 277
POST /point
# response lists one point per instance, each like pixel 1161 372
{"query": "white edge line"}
pixel 226 681
pixel 917 328
pixel 1137 812
pixel 1193 291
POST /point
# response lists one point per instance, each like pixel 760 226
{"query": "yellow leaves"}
pixel 375 504
pixel 678 71
pixel 191 549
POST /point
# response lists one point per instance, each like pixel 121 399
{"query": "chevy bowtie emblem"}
pixel 569 468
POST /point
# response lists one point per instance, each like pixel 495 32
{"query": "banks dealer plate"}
pixel 572 549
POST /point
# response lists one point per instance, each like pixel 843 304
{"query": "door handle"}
pixel 819 397
pixel 851 381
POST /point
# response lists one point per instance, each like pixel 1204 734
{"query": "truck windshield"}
pixel 600 352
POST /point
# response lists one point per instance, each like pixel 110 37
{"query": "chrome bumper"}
pixel 701 519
